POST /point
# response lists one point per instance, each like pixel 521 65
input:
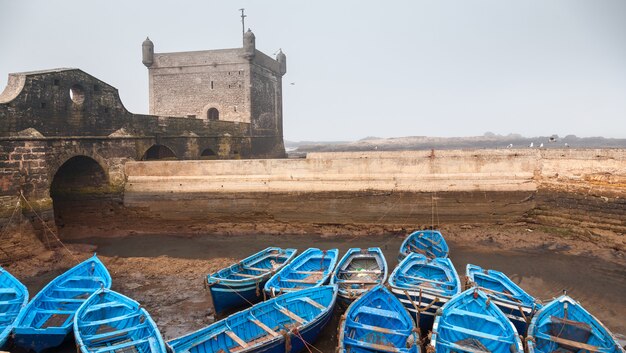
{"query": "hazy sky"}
pixel 363 68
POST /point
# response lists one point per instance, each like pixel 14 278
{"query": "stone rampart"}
pixel 569 188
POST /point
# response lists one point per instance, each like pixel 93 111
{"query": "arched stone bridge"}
pixel 64 134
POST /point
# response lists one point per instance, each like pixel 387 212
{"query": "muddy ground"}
pixel 165 272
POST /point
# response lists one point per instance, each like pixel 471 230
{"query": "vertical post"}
pixel 243 22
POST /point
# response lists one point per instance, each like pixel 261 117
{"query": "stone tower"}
pixel 239 85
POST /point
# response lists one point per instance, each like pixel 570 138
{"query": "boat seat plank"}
pixel 462 312
pixel 292 315
pixel 110 334
pixel 256 269
pixel 377 311
pixel 294 280
pixel 374 328
pixel 120 347
pixel 233 336
pixel 372 346
pixel 309 272
pixel 314 303
pixel 364 271
pixel 356 281
pixel 265 327
pixel 566 342
pixel 475 333
pixel 110 320
pixel 8 291
pixel 423 279
pixel 245 275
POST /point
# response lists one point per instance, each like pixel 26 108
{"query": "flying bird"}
pixel 510 145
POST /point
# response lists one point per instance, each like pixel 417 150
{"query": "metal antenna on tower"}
pixel 243 21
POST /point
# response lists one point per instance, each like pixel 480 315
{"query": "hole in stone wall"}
pixel 211 84
pixel 55 82
pixel 96 88
pixel 43 105
pixel 77 94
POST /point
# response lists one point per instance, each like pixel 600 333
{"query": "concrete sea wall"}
pixel 392 190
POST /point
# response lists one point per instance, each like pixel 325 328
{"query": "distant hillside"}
pixel 488 140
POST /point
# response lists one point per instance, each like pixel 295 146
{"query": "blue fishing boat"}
pixel 563 325
pixel 13 300
pixel 242 284
pixel 109 322
pixel 470 322
pixel 284 324
pixel 310 269
pixel 426 242
pixel 377 322
pixel 358 271
pixel 514 302
pixel 423 285
pixel 49 316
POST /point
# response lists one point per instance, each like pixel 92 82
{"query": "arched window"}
pixel 213 114
pixel 158 152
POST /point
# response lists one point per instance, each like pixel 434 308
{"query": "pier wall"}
pixel 583 189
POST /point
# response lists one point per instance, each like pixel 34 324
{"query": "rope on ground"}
pixel 47 227
pixel 5 230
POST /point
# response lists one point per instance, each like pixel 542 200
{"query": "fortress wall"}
pixel 581 189
pixel 419 171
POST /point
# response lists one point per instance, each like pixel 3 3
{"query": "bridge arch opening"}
pixel 208 153
pixel 78 185
pixel 158 152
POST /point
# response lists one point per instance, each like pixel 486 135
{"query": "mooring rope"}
pixel 47 227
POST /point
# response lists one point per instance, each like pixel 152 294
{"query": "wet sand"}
pixel 165 273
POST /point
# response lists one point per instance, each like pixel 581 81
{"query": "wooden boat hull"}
pixel 48 318
pixel 423 285
pixel 241 284
pixel 311 268
pixel 278 325
pixel 13 300
pixel 110 322
pixel 470 322
pixel 358 271
pixel 377 322
pixel 564 325
pixel 515 303
pixel 429 243
pixel 236 295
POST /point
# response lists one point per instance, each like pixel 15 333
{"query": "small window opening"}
pixel 77 94
pixel 55 82
pixel 228 86
pixel 211 84
pixel 43 104
pixel 235 108
pixel 213 114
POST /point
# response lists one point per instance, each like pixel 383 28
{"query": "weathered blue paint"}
pixel 48 318
pixel 13 301
pixel 425 283
pixel 311 268
pixel 278 325
pixel 563 324
pixel 242 283
pixel 427 242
